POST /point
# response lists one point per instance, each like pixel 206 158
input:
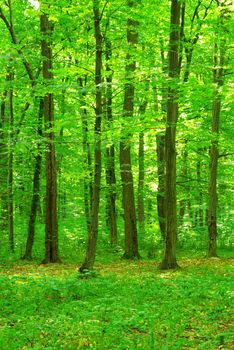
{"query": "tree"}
pixel 130 226
pixel 10 203
pixel 93 228
pixel 141 165
pixel 110 152
pixel 36 188
pixel 169 260
pixel 218 81
pixel 51 223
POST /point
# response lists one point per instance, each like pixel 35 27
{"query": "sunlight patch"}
pixel 35 4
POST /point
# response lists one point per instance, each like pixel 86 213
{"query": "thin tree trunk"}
pixel 110 155
pixel 200 196
pixel 186 188
pixel 36 190
pixel 3 167
pixel 93 228
pixel 51 224
pixel 130 226
pixel 160 140
pixel 61 189
pixel 169 260
pixel 141 179
pixel 219 57
pixel 10 206
pixel 88 187
pixel 141 167
pixel 160 143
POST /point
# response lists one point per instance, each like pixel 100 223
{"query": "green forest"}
pixel 116 174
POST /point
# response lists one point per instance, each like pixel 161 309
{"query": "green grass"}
pixel 128 305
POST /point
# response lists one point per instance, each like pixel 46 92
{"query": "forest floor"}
pixel 126 305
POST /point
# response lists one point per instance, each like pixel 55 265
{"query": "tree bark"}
pixel 186 187
pixel 110 154
pixel 51 222
pixel 160 146
pixel 130 226
pixel 88 187
pixel 93 228
pixel 169 260
pixel 36 190
pixel 10 200
pixel 141 167
pixel 218 80
pixel 200 195
pixel 3 165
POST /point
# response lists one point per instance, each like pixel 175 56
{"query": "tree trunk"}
pixel 185 186
pixel 51 224
pixel 160 140
pixel 169 260
pixel 141 168
pixel 3 167
pixel 130 226
pixel 36 190
pixel 141 179
pixel 93 228
pixel 160 144
pixel 88 187
pixel 200 195
pixel 10 205
pixel 219 57
pixel 110 154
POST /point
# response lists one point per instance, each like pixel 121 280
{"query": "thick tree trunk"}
pixel 51 222
pixel 169 260
pixel 36 191
pixel 93 228
pixel 219 55
pixel 130 226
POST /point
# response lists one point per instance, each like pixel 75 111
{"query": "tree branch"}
pixel 10 28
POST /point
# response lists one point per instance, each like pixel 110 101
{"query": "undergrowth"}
pixel 125 305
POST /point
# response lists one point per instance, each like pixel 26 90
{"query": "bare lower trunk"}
pixel 218 76
pixel 110 155
pixel 36 191
pixel 111 195
pixel 93 228
pixel 51 221
pixel 169 260
pixel 160 140
pixel 10 170
pixel 130 226
pixel 3 167
pixel 141 179
pixel 88 188
pixel 141 167
pixel 185 186
pixel 160 146
pixel 200 195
